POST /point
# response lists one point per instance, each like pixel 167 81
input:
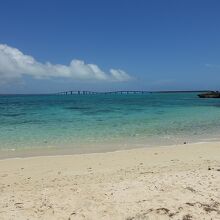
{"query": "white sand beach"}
pixel 175 182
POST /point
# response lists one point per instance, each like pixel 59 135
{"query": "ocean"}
pixel 93 123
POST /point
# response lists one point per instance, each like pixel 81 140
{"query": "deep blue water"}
pixel 104 121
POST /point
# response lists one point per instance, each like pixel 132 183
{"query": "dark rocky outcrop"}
pixel 211 94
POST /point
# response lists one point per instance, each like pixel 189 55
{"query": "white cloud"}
pixel 119 75
pixel 14 65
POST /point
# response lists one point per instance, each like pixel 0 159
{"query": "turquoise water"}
pixel 106 122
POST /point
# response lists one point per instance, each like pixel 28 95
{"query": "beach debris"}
pixel 207 207
pixel 19 204
pixel 212 207
pixel 162 211
pixel 184 142
pixel 190 189
pixel 187 217
pixel 173 160
pixel 147 172
pixel 159 211
pixel 72 214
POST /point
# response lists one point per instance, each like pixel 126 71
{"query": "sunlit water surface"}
pixel 106 122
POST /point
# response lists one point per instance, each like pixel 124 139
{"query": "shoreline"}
pixel 166 182
pixel 68 151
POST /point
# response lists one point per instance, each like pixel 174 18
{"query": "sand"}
pixel 175 182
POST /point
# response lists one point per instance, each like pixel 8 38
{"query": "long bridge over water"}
pixel 79 92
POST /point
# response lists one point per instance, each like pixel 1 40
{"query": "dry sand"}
pixel 176 182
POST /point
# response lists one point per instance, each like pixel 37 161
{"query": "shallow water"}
pixel 106 121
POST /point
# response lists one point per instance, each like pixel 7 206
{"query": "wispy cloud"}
pixel 14 65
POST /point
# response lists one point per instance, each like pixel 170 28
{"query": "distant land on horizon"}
pixel 106 92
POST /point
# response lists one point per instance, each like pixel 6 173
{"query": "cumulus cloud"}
pixel 14 65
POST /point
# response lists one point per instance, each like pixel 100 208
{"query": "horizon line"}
pixel 112 91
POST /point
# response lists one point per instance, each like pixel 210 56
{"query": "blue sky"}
pixel 151 45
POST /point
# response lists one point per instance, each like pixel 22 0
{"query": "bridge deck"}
pixel 106 93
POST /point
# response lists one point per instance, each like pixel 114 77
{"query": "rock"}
pixel 211 94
